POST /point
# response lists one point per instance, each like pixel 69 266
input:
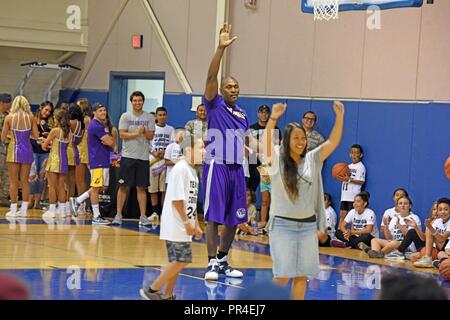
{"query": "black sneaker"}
pixel 437 263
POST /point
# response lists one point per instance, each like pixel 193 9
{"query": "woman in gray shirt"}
pixel 298 208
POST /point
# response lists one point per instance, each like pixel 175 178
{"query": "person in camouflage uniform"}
pixel 5 105
pixel 315 139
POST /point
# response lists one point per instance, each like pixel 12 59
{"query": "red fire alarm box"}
pixel 137 41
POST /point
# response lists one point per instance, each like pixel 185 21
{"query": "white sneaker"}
pixel 9 214
pixel 395 255
pixel 213 270
pixel 227 270
pixel 82 209
pixel 48 214
pixel 154 217
pixel 424 262
pixel 60 213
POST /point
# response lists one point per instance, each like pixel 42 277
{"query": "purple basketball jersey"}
pixel 227 126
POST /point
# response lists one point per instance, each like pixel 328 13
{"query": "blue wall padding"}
pixel 405 145
pixel 430 148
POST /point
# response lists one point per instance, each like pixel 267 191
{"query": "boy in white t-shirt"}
pixel 437 233
pixel 356 179
pixel 178 220
pixel 173 153
pixel 164 135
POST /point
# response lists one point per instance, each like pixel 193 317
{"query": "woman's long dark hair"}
pixel 290 168
pixel 109 124
pixel 75 113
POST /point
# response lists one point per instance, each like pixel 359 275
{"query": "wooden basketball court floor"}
pixel 73 260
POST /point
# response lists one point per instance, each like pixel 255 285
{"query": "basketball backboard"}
pixel 346 5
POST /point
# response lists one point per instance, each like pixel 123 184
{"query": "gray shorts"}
pixel 179 251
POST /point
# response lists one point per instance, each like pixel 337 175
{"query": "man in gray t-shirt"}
pixel 137 148
pixel 136 129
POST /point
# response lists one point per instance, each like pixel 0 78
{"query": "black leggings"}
pixel 354 240
pixel 410 237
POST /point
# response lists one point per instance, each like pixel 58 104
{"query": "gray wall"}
pixel 280 50
pixel 12 74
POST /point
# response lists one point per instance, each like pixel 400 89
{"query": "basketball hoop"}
pixel 326 9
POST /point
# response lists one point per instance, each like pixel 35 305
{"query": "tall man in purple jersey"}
pixel 223 184
pixel 100 142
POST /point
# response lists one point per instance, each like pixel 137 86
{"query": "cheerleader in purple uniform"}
pixel 18 128
pixel 57 163
pixel 76 134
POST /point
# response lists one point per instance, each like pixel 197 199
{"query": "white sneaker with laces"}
pixel 226 269
pixel 82 209
pixel 154 217
pixel 424 262
pixel 48 214
pixel 395 255
pixel 213 270
pixel 10 214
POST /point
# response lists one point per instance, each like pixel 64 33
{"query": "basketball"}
pixel 444 269
pixel 447 168
pixel 340 171
pixel 434 253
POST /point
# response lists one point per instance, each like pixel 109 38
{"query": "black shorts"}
pixel 134 173
pixel 346 205
pixel 253 181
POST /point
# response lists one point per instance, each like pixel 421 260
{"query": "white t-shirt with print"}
pixel 183 185
pixel 161 140
pixel 391 213
pixel 172 153
pixel 350 190
pixel 331 221
pixel 395 231
pixel 440 226
pixel 360 221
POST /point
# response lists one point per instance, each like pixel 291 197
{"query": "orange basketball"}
pixel 447 168
pixel 340 171
pixel 444 269
pixel 434 253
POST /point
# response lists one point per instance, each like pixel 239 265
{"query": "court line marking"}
pixel 109 259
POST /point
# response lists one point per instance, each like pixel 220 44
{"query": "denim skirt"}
pixel 294 248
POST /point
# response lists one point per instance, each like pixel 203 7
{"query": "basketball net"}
pixel 326 9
